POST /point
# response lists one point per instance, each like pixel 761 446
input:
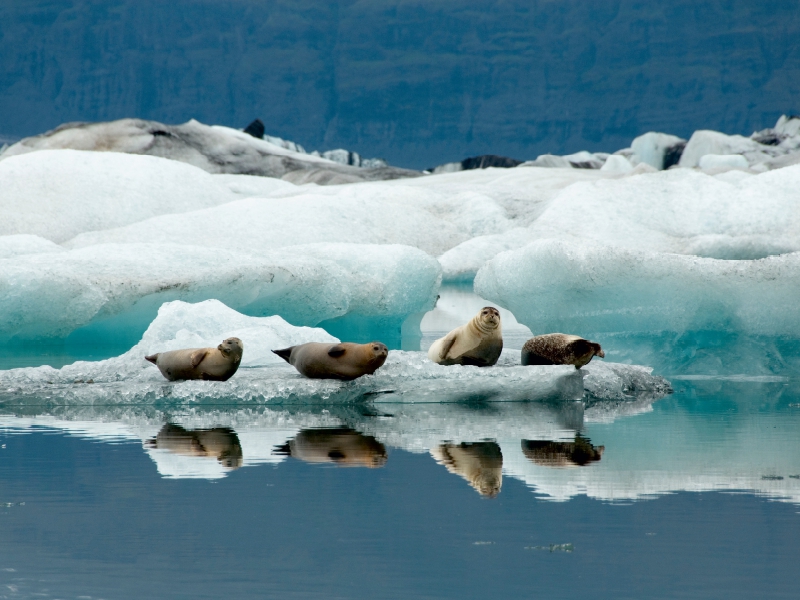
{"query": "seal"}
pixel 344 360
pixel 478 343
pixel 221 443
pixel 343 447
pixel 560 349
pixel 579 453
pixel 480 463
pixel 215 364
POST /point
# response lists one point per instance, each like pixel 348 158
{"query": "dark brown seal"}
pixel 560 349
pixel 335 361
pixel 215 364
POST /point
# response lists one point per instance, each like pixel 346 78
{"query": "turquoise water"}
pixel 693 495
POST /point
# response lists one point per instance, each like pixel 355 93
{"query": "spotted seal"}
pixel 344 360
pixel 216 364
pixel 560 349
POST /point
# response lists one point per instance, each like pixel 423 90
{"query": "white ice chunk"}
pixel 723 161
pixel 651 147
pixel 130 281
pixel 462 262
pixel 548 161
pixel 552 285
pixel 680 211
pixel 705 142
pixel 789 126
pixel 617 164
pixel 57 194
pixel 17 245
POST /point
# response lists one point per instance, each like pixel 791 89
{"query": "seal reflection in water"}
pixel 560 349
pixel 477 343
pixel 215 364
pixel 335 361
pixel 220 443
pixel 579 453
pixel 480 463
pixel 342 447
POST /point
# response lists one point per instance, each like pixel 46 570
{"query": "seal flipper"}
pixel 336 351
pixel 285 353
pixel 198 356
pixel 153 358
pixel 447 343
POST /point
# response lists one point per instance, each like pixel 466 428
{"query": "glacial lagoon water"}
pixel 694 494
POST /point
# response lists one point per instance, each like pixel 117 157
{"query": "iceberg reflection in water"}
pixel 711 435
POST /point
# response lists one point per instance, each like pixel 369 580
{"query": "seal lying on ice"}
pixel 477 343
pixel 335 361
pixel 216 364
pixel 560 349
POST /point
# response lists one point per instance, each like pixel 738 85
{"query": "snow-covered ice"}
pixel 57 194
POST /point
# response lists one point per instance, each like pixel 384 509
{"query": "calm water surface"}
pixel 696 495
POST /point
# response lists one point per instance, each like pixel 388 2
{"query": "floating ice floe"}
pixel 117 288
pixel 214 149
pixel 263 377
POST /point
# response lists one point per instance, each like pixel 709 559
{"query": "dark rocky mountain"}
pixel 417 82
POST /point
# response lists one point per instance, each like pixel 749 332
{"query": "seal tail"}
pixel 152 358
pixel 284 354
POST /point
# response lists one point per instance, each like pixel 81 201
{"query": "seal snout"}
pixel 490 315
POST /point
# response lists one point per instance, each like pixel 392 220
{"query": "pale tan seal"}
pixel 477 343
pixel 560 349
pixel 215 364
pixel 342 447
pixel 344 360
pixel 220 443
pixel 480 463
pixel 579 453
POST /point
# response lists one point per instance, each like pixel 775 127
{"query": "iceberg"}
pixel 657 149
pixel 732 215
pixel 113 290
pixel 678 312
